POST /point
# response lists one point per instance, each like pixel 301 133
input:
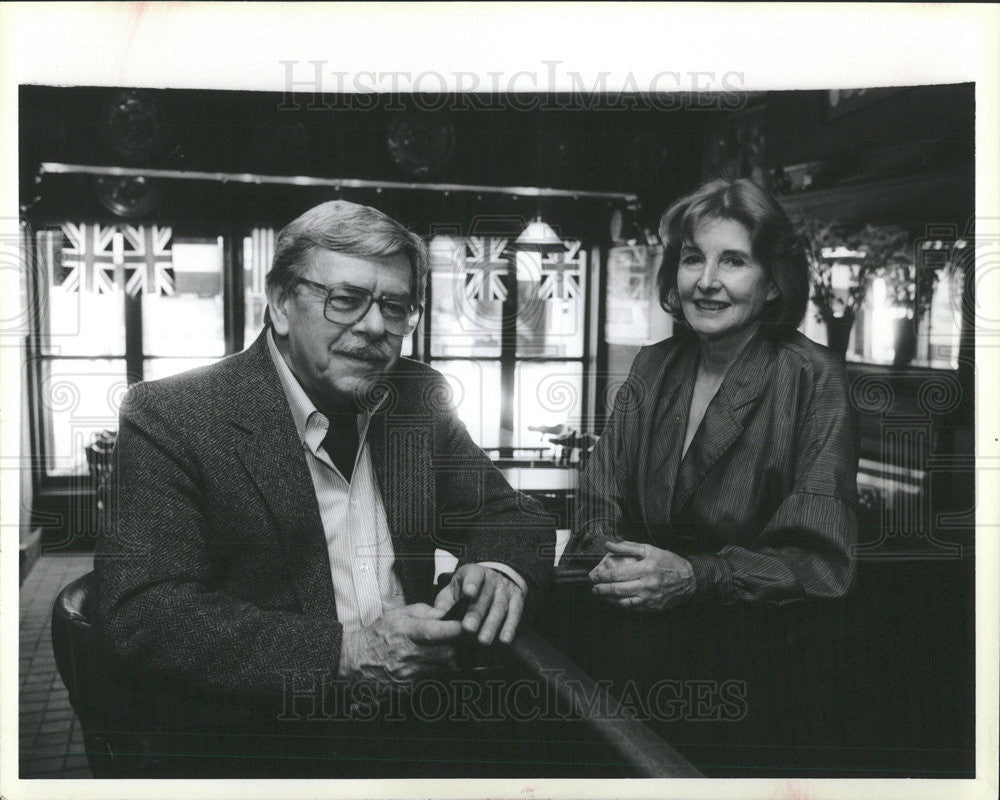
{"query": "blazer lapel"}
pixel 724 418
pixel 662 447
pixel 269 447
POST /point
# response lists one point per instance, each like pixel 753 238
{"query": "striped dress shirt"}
pixel 354 522
pixel 763 503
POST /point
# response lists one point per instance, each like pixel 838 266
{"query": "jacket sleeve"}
pixel 601 493
pixel 480 517
pixel 807 547
pixel 157 610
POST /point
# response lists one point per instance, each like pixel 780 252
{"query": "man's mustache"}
pixel 366 353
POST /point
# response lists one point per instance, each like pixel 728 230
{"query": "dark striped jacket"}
pixel 764 502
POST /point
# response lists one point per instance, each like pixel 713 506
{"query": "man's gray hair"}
pixel 348 228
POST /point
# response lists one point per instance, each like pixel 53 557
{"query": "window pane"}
pixel 85 324
pixel 156 368
pixel 82 316
pixel 466 296
pixel 634 314
pixel 885 332
pixel 551 292
pixel 941 326
pixel 476 395
pixel 911 312
pixel 880 323
pixel 546 394
pixel 78 398
pixel 258 252
pixel 190 321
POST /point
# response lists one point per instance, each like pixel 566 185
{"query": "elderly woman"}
pixel 728 468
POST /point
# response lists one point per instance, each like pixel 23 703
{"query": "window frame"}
pixel 508 359
pixel 134 356
pixel 234 300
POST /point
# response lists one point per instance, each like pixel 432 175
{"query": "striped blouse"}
pixel 764 502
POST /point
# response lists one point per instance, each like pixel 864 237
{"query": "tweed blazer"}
pixel 763 503
pixel 213 571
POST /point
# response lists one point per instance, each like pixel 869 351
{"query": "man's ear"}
pixel 773 293
pixel 278 299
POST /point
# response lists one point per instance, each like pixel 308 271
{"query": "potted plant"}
pixel 838 276
pixel 844 265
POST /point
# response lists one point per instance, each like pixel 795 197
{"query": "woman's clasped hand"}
pixel 641 576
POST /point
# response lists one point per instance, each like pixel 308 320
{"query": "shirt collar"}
pixel 298 401
pixel 303 409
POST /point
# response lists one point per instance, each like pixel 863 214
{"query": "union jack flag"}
pixel 561 274
pixel 148 260
pixel 487 249
pixel 89 259
pixel 485 268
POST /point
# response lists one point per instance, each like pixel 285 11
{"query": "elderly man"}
pixel 272 518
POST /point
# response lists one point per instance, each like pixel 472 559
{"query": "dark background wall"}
pixel 539 141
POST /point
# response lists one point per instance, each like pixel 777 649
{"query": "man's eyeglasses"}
pixel 346 304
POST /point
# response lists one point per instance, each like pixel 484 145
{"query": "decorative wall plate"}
pixel 126 197
pixel 132 126
pixel 420 143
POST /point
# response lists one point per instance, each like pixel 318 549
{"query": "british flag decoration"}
pixel 148 260
pixel 89 259
pixel 104 259
pixel 485 268
pixel 561 273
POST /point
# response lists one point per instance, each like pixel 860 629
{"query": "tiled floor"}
pixel 50 743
